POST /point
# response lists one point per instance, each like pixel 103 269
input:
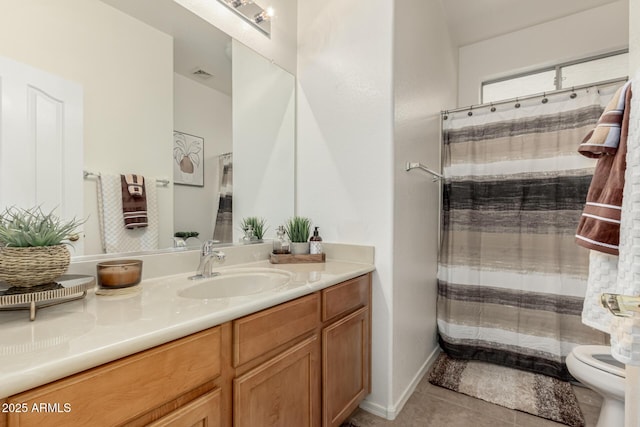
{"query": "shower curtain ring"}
pixel 470 113
pixel 493 109
pixel 517 104
pixel 544 98
pixel 573 93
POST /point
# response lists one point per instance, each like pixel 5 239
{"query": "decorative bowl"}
pixel 121 273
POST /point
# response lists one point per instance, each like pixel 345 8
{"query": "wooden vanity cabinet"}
pixel 173 381
pixel 303 363
pixel 3 414
pixel 277 366
pixel 346 348
pixel 204 411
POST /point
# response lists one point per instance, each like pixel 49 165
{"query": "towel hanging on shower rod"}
pixel 416 165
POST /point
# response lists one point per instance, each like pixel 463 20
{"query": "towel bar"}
pixel 163 182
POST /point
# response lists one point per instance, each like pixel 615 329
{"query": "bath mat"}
pixel 535 394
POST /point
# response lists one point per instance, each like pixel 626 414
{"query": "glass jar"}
pixel 281 243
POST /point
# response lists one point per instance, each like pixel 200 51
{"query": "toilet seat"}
pixel 599 357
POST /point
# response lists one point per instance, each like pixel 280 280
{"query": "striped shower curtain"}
pixel 223 226
pixel 511 280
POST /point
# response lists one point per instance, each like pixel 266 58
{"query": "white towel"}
pixel 603 277
pixel 115 237
pixel 618 274
pixel 626 332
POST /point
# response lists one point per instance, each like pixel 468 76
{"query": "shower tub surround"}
pixel 79 335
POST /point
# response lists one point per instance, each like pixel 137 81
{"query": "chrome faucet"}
pixel 208 256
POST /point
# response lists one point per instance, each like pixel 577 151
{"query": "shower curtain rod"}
pixel 417 165
pixel 537 95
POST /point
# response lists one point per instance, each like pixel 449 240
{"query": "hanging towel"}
pixel 134 202
pixel 135 185
pixel 599 227
pixel 625 332
pixel 604 274
pixel 115 237
pixel 605 137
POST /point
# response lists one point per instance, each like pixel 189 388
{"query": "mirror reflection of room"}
pixel 133 105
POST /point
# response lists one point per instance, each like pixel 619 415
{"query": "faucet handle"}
pixel 207 247
pixel 219 255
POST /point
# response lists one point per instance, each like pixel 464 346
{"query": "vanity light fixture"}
pixel 252 13
pixel 265 15
pixel 237 3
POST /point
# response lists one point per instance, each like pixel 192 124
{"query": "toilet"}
pixel 595 368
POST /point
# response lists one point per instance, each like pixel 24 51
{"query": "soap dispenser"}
pixel 281 242
pixel 315 243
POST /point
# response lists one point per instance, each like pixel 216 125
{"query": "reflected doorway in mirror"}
pixel 188 156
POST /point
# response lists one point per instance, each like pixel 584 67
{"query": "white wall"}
pixel 634 36
pixel 425 80
pixel 280 47
pixel 205 112
pixel 584 34
pixel 345 144
pixel 125 69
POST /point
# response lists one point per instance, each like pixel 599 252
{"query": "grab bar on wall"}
pixel 416 165
pixel 163 182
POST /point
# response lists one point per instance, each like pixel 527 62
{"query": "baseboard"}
pixel 391 412
pixel 374 408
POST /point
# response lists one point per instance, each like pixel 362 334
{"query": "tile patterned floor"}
pixel 432 406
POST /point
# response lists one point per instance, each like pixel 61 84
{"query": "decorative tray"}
pixel 68 287
pixel 295 259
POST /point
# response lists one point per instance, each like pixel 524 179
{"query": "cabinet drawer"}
pixel 345 297
pixel 262 332
pixel 121 390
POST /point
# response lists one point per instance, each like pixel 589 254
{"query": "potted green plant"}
pixel 258 225
pixel 299 229
pixel 33 246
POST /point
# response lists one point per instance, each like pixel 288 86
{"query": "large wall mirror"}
pixel 155 76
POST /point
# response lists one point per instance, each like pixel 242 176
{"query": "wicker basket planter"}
pixel 32 266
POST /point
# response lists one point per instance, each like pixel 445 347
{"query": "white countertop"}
pixel 75 336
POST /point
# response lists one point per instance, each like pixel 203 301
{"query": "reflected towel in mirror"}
pixel 135 184
pixel 134 201
pixel 115 237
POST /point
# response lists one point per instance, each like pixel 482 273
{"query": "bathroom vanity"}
pixel 298 356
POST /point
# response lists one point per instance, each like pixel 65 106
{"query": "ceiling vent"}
pixel 201 74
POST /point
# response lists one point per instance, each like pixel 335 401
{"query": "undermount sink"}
pixel 237 283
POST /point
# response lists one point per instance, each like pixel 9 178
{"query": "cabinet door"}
pixel 282 392
pixel 203 411
pixel 345 366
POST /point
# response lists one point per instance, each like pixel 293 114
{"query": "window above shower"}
pixel 594 69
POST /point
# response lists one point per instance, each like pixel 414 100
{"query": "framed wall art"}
pixel 188 159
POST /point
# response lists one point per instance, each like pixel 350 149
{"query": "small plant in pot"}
pixel 299 229
pixel 258 225
pixel 33 246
